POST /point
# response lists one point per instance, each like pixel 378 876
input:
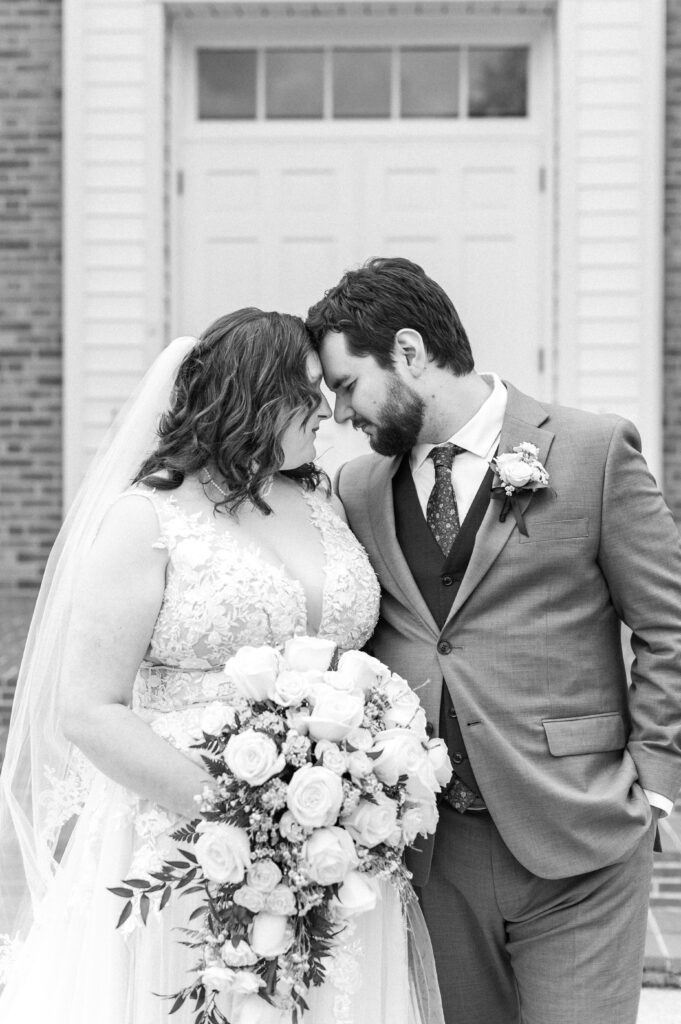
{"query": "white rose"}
pixel 411 823
pixel 439 760
pixel 314 796
pixel 271 935
pixel 253 757
pixel 334 713
pixel 359 764
pixel 429 815
pixel 359 739
pixel 215 717
pixel 513 469
pixel 254 1010
pixel 253 671
pixel 217 978
pixel 245 983
pixel 308 652
pixel 289 828
pixel 264 875
pixel 251 899
pixel 371 823
pixel 297 719
pixel 281 901
pixel 240 955
pixel 341 681
pixel 331 756
pixel 404 704
pixel 329 855
pixel 400 753
pixel 357 894
pixel 290 688
pixel 223 851
pixel 365 670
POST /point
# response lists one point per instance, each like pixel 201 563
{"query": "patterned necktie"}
pixel 442 515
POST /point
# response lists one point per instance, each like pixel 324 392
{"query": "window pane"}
pixel 497 82
pixel 295 83
pixel 430 83
pixel 361 83
pixel 226 83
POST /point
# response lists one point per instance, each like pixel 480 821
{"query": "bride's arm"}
pixel 118 598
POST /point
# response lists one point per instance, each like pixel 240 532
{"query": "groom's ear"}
pixel 409 348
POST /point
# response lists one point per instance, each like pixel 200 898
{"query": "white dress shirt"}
pixel 480 437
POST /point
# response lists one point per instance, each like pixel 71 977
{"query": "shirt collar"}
pixel 481 433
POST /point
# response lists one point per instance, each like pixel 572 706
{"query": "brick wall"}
pixel 672 305
pixel 30 314
pixel 30 287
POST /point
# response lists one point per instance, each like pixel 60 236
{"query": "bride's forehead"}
pixel 314 367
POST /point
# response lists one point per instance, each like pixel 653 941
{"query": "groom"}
pixel 504 612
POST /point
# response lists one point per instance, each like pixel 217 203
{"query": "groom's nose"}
pixel 342 410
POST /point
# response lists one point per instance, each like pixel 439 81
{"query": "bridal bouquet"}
pixel 321 778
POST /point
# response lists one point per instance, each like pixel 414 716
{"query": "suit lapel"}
pixel 382 517
pixel 522 422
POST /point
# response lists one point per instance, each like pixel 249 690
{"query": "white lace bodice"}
pixel 222 594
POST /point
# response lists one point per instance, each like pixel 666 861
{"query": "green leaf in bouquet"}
pixel 186 834
pixel 189 877
pixel 165 897
pixel 198 912
pixel 125 914
pixel 137 883
pixel 190 856
pixel 118 890
pixel 145 903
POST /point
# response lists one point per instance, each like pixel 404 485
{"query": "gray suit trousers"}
pixel 513 948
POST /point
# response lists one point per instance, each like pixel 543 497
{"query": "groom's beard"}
pixel 401 420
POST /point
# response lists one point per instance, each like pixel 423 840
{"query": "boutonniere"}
pixel 520 472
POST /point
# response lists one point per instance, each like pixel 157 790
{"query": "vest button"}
pixel 444 647
pixel 447 580
pixel 452 713
pixel 457 758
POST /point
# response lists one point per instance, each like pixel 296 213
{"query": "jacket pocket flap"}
pixel 588 734
pixel 556 529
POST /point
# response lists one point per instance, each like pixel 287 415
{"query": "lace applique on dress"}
pixel 344 972
pixel 66 796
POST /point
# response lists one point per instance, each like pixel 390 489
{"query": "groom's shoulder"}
pixel 355 474
pixel 566 419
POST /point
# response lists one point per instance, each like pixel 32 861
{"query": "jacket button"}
pixel 447 581
pixel 457 758
pixel 444 647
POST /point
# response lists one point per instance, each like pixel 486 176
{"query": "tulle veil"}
pixel 38 759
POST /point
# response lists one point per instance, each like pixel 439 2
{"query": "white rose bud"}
pixel 329 855
pixel 240 955
pixel 290 829
pixel 334 713
pixel 359 739
pixel 253 671
pixel 253 757
pixel 359 764
pixel 308 652
pixel 281 901
pixel 331 756
pixel 365 670
pixel 314 796
pixel 223 851
pixel 271 935
pixel 357 894
pixel 217 978
pixel 371 823
pixel 215 717
pixel 264 875
pixel 513 469
pixel 251 899
pixel 439 761
pixel 400 753
pixel 411 823
pixel 292 688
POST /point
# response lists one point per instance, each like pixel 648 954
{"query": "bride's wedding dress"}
pixel 221 593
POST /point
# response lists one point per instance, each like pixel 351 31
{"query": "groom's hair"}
pixel 370 305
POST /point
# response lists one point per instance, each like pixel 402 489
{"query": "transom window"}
pixel 378 82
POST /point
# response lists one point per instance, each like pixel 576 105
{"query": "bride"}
pixel 195 534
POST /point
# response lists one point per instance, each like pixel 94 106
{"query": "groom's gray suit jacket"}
pixel 560 747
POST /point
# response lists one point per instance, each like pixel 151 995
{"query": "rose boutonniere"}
pixel 519 471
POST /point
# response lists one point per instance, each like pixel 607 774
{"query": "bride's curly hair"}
pixel 235 393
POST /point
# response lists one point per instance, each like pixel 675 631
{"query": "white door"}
pixel 272 213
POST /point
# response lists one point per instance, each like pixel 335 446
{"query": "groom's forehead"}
pixel 338 362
